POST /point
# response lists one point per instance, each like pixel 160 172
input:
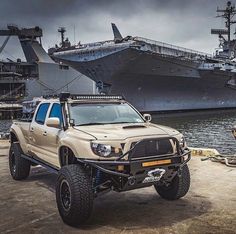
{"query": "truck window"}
pixel 56 112
pixel 41 114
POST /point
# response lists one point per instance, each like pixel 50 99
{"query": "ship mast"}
pixel 228 13
pixel 62 31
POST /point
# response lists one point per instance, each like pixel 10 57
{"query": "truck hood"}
pixel 124 131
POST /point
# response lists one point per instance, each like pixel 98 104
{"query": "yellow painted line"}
pixel 154 163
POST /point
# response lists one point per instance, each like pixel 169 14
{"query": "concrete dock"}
pixel 210 206
pixel 4 147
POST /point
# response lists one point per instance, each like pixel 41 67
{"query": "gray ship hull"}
pixel 154 82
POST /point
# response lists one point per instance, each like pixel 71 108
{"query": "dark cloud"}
pixel 183 22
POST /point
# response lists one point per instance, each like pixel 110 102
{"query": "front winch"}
pixel 154 175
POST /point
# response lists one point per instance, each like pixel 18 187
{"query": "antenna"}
pixel 74 34
pixel 62 31
pixel 228 13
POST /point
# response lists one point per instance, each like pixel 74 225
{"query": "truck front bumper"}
pixel 130 174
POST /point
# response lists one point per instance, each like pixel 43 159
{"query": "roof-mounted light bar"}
pixel 95 97
pixel 64 96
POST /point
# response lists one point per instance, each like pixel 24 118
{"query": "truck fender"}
pixel 20 137
pixel 70 146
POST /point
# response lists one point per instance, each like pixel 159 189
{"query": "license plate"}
pixel 157 162
pixel 154 175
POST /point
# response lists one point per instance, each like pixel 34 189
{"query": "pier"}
pixel 9 110
pixel 209 207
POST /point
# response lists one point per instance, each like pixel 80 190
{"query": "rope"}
pixel 77 77
pixel 228 160
pixel 62 87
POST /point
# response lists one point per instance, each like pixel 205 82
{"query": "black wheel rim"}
pixel 13 163
pixel 65 195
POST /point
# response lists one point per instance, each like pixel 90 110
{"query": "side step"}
pixel 50 168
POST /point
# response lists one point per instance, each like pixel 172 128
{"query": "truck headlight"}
pixel 104 150
pixel 101 149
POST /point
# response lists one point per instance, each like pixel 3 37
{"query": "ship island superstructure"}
pixel 156 76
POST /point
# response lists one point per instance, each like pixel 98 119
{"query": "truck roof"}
pixel 30 106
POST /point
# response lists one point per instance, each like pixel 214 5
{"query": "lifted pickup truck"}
pixel 97 143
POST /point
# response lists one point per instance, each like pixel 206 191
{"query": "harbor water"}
pixel 208 129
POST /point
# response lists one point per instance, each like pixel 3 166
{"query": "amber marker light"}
pixel 154 163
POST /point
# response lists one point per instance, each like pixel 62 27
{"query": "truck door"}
pixel 51 136
pixel 37 132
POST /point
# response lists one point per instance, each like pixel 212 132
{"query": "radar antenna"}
pixel 228 13
pixel 62 31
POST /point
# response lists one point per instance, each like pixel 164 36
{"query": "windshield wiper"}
pixel 127 122
pixel 90 124
pixel 120 122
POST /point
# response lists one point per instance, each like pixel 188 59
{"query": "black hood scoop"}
pixel 134 126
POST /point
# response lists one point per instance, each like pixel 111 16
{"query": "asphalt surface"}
pixel 210 206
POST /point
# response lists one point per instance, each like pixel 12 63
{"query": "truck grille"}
pixel 153 147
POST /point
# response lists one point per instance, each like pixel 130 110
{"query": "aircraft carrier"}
pixel 156 76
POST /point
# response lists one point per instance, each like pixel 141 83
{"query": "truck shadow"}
pixel 144 208
pixel 133 210
pixel 43 178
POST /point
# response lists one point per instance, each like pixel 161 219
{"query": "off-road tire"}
pixel 178 187
pixel 19 167
pixel 81 195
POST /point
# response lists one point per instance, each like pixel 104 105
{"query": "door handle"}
pixel 45 133
pixel 31 129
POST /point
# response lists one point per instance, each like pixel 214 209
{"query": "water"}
pixel 211 129
pixel 5 125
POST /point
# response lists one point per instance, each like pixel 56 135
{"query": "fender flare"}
pixel 20 137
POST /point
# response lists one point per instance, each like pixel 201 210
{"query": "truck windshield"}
pixel 100 113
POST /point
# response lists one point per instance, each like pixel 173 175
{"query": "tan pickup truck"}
pixel 97 143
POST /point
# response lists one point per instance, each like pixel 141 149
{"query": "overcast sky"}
pixel 185 23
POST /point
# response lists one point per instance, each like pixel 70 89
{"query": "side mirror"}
pixel 53 122
pixel 147 117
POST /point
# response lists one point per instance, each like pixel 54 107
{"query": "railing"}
pixel 173 47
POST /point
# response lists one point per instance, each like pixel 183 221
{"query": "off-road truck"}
pixel 97 143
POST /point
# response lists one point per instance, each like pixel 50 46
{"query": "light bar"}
pixel 65 96
pixel 95 97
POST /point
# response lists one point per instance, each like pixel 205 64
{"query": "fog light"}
pixel 117 150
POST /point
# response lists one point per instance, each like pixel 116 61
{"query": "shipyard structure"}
pixel 37 76
pixel 156 76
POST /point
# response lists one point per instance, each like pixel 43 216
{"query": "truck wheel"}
pixel 74 195
pixel 19 167
pixel 178 187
